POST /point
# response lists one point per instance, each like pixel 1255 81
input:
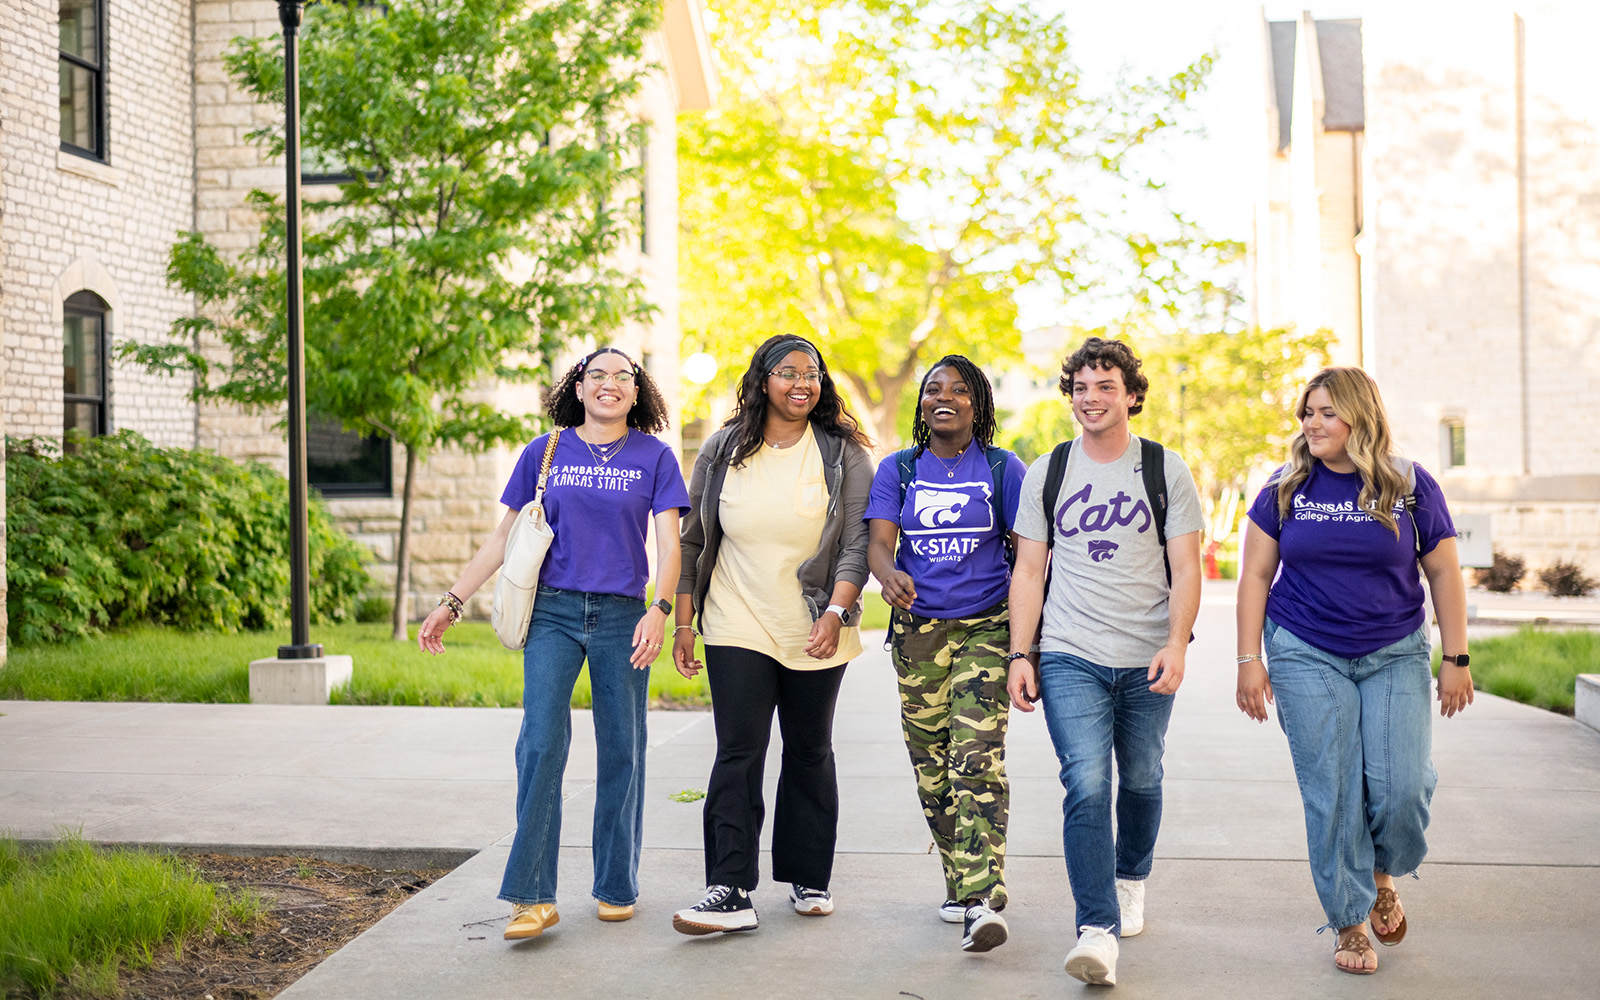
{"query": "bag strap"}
pixel 997 498
pixel 1153 469
pixel 1055 472
pixel 1405 466
pixel 544 466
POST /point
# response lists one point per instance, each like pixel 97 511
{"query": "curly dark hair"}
pixel 649 413
pixel 983 421
pixel 749 419
pixel 1103 354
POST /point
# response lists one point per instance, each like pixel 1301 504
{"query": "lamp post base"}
pixel 300 681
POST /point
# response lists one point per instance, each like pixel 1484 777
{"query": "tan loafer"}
pixel 611 913
pixel 530 920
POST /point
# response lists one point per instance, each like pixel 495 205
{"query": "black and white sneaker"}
pixel 953 911
pixel 724 909
pixel 810 902
pixel 985 929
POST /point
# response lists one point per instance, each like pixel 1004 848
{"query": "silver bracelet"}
pixel 1246 658
pixel 680 628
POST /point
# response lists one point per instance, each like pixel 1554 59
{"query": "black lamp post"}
pixel 301 647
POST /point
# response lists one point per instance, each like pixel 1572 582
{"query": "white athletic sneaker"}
pixel 1094 960
pixel 1130 898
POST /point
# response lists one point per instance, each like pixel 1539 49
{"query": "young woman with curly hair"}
pixel 774 556
pixel 609 477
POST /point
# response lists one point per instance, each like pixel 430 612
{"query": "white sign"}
pixel 1473 539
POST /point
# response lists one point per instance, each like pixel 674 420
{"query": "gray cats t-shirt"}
pixel 1108 587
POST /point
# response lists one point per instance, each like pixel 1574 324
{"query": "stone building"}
pixel 119 128
pixel 1429 195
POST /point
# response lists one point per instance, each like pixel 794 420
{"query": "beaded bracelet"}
pixel 1247 658
pixel 680 628
pixel 452 602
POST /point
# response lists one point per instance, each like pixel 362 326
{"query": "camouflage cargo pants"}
pixel 953 708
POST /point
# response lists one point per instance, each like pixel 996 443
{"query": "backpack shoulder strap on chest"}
pixel 1055 472
pixel 1153 469
pixel 1405 467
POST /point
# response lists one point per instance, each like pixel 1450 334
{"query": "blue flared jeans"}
pixel 1361 735
pixel 1094 712
pixel 568 627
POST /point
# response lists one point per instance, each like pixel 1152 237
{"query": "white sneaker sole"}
pixel 986 937
pixel 953 916
pixel 1090 969
pixel 812 908
pixel 705 924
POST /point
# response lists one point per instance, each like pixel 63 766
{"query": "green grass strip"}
pixel 71 915
pixel 1537 666
pixel 156 664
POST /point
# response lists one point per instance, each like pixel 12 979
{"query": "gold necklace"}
pixel 606 452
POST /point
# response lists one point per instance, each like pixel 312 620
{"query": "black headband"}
pixel 776 352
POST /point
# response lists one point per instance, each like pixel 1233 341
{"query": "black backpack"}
pixel 1153 463
pixel 996 457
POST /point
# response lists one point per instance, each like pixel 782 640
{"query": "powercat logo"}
pixel 951 518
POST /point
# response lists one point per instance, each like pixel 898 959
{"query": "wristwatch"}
pixel 665 606
pixel 1459 659
pixel 841 611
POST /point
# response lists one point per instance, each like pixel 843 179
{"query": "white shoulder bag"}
pixel 526 546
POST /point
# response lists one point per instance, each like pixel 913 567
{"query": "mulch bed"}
pixel 313 909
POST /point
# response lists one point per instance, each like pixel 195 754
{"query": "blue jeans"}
pixel 1361 735
pixel 567 626
pixel 1093 712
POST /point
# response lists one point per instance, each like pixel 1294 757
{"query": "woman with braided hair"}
pixel 948 502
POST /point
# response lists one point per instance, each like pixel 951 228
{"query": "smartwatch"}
pixel 842 612
pixel 665 606
pixel 1460 659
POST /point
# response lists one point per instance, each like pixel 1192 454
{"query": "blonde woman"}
pixel 1332 624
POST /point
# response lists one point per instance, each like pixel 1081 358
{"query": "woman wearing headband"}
pixel 774 553
pixel 608 479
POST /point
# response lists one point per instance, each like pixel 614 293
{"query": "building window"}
pixel 342 463
pixel 83 365
pixel 1453 443
pixel 83 78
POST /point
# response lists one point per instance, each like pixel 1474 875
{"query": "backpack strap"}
pixel 1055 472
pixel 1405 467
pixel 907 467
pixel 1153 469
pixel 997 458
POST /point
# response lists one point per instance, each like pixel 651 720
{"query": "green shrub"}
pixel 120 531
pixel 1566 579
pixel 1503 576
pixel 374 609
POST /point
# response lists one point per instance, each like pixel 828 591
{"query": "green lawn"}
pixel 1536 666
pixel 154 664
pixel 70 916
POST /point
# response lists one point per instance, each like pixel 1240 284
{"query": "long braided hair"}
pixel 983 419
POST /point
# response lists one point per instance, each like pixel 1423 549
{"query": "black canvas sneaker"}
pixel 724 909
pixel 985 929
pixel 810 902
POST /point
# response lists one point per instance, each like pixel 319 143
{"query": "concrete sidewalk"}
pixel 1508 901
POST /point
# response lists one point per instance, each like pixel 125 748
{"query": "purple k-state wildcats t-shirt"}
pixel 1346 584
pixel 950 544
pixel 600 513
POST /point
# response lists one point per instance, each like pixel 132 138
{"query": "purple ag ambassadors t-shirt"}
pixel 950 543
pixel 600 513
pixel 1346 584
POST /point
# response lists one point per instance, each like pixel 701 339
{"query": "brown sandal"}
pixel 1383 910
pixel 1354 941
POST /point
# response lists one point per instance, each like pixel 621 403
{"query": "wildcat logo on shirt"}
pixel 950 518
pixel 1079 516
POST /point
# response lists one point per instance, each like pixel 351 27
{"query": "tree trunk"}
pixel 402 562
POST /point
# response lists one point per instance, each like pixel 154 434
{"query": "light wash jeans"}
pixel 567 626
pixel 1361 735
pixel 1092 712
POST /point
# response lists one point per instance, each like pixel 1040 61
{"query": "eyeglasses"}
pixel 598 377
pixel 792 376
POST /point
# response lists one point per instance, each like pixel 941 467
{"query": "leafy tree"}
pixel 486 142
pixel 885 176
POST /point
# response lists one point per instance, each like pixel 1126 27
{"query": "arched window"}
pixel 83 364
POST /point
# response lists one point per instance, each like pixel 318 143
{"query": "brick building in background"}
pixel 118 129
pixel 1430 196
